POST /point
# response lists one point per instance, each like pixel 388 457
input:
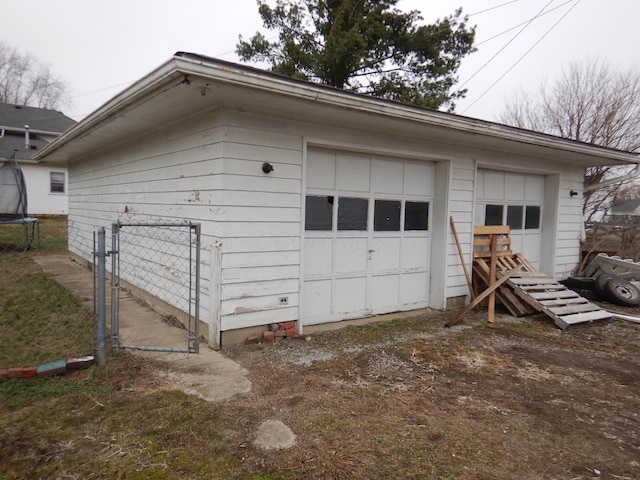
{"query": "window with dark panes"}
pixel 386 216
pixel 318 213
pixel 416 216
pixel 493 215
pixel 56 182
pixel 515 213
pixel 352 213
pixel 532 218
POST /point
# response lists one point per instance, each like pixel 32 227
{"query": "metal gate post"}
pixel 102 318
pixel 115 290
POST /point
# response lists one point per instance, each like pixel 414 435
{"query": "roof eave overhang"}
pixel 210 72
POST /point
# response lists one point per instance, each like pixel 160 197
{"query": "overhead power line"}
pixel 522 57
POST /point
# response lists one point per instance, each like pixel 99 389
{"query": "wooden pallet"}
pixel 543 294
pixel 528 290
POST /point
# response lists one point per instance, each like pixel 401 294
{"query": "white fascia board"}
pixel 110 110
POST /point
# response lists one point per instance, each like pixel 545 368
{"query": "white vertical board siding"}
pixel 40 199
pixel 461 209
pixel 570 223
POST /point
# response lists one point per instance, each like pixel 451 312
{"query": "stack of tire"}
pixel 605 287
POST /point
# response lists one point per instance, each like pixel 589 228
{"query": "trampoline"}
pixel 13 202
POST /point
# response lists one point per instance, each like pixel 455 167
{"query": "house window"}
pixel 416 216
pixel 532 218
pixel 514 217
pixel 386 216
pixel 493 215
pixel 318 213
pixel 57 182
pixel 352 213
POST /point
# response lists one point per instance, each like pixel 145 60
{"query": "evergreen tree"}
pixel 366 46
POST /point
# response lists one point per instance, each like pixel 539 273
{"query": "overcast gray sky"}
pixel 100 47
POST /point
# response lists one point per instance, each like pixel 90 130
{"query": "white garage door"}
pixel 367 239
pixel 516 200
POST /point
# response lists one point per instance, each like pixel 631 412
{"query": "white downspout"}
pixel 26 137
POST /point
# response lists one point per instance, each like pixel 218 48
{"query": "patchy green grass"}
pixel 40 321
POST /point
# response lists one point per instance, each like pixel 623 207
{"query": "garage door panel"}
pixel 415 253
pixel 385 254
pixel 351 255
pixel 318 256
pixel 321 170
pixel 414 287
pixel 350 295
pixel 514 187
pixel 383 267
pixel 353 173
pixel 535 189
pixel 384 292
pixel 418 179
pixel 317 298
pixel 493 185
pixel 387 177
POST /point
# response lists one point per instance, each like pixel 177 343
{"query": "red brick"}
pixel 30 372
pixel 280 334
pixel 291 332
pixel 14 373
pixel 252 339
pixel 268 336
pixel 4 374
pixel 286 325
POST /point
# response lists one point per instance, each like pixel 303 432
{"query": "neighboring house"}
pixel 626 212
pixel 25 131
pixel 352 221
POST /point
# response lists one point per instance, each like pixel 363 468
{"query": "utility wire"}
pixel 492 8
pixel 520 24
pixel 522 57
pixel 503 47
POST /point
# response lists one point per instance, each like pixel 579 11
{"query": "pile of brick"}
pixel 48 369
pixel 277 332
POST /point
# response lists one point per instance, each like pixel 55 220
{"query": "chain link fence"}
pixel 40 321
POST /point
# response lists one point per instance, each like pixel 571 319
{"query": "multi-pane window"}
pixel 518 217
pixel 57 182
pixel 353 214
pixel 319 213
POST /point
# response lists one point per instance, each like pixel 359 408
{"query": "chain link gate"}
pixel 163 260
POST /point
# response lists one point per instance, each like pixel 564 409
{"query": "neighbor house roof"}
pixel 189 84
pixel 15 120
pixel 625 208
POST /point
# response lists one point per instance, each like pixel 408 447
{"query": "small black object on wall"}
pixel 267 167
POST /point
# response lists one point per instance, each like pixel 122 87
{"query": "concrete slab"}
pixel 209 374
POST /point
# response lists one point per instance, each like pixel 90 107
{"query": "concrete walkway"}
pixel 209 374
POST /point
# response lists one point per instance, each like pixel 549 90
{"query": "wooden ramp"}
pixel 527 290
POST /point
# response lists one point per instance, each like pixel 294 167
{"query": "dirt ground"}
pixel 411 399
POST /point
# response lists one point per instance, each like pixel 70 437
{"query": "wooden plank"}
pixel 535 280
pixel 505 294
pixel 586 317
pixel 542 287
pixel 491 230
pixel 461 255
pixel 492 278
pixel 479 298
pixel 575 308
pixel 554 295
pixel 561 301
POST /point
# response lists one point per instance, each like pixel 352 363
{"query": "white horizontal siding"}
pixel 461 209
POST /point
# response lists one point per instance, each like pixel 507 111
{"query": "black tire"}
pixel 599 284
pixel 583 283
pixel 587 294
pixel 622 292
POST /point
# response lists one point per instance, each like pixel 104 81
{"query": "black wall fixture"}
pixel 267 167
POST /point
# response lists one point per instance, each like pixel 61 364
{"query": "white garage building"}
pixel 353 218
